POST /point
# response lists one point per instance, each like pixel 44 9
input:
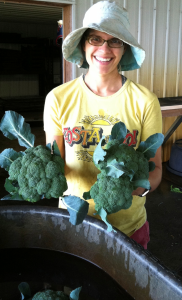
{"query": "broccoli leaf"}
pixel 118 132
pixel 7 157
pixel 9 186
pixel 150 146
pixel 87 196
pixel 103 214
pixel 77 208
pixel 56 149
pixel 99 153
pixel 13 126
pixel 48 146
pixel 74 295
pixel 176 190
pixel 141 183
pixel 24 289
pixel 116 169
pixel 13 197
pixel 151 166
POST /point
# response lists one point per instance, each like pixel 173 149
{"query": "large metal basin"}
pixel 133 268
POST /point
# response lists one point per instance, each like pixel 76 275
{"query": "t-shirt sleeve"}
pixel 152 119
pixel 52 120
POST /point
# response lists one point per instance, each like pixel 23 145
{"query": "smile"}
pixel 102 59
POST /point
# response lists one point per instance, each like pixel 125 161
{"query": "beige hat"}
pixel 107 17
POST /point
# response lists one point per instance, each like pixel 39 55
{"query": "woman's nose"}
pixel 105 46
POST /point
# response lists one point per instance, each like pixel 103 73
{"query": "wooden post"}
pixel 67 28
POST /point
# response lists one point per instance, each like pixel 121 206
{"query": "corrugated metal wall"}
pixel 157 25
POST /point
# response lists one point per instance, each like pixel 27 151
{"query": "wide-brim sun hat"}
pixel 106 17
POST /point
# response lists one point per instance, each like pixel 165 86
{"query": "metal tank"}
pixel 132 267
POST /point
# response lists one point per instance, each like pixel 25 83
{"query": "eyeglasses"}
pixel 95 40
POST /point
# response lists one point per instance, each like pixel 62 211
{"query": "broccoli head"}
pixel 38 173
pixel 112 194
pixel 15 168
pixel 122 169
pixel 132 160
pixel 50 295
pixel 25 291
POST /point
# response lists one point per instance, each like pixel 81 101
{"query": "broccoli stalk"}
pixel 122 170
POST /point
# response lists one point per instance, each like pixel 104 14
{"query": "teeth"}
pixel 103 59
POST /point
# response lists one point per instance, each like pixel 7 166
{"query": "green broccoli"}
pixel 50 295
pixel 122 170
pixel 38 172
pixel 57 295
pixel 106 190
pixel 131 159
pixel 25 291
pixel 15 169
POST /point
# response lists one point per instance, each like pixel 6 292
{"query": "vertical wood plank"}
pixel 166 48
pixel 67 28
pixel 167 122
pixel 139 32
pixel 179 51
pixel 153 46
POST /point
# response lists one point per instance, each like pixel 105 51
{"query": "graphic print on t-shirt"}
pixel 88 135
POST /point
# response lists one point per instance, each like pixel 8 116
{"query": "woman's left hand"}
pixel 138 191
pixel 154 176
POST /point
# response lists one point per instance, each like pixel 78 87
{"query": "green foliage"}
pixel 122 170
pixel 14 127
pixel 57 295
pixel 25 291
pixel 50 295
pixel 103 214
pixel 38 172
pixel 112 194
pixel 77 208
pixel 34 173
pixel 175 190
pixel 7 157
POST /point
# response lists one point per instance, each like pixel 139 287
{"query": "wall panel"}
pixel 157 25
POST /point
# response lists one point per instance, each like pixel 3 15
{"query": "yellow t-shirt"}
pixel 83 118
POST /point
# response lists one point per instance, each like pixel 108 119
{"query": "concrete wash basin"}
pixel 129 265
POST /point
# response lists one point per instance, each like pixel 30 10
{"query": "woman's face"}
pixel 102 59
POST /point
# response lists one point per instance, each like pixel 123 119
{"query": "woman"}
pixel 79 112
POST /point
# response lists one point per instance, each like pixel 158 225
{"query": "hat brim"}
pixel 131 60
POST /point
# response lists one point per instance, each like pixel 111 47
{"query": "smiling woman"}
pixel 103 53
pixel 80 112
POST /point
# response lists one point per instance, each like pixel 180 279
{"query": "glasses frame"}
pixel 104 41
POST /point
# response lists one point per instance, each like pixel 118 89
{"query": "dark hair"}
pixel 84 37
